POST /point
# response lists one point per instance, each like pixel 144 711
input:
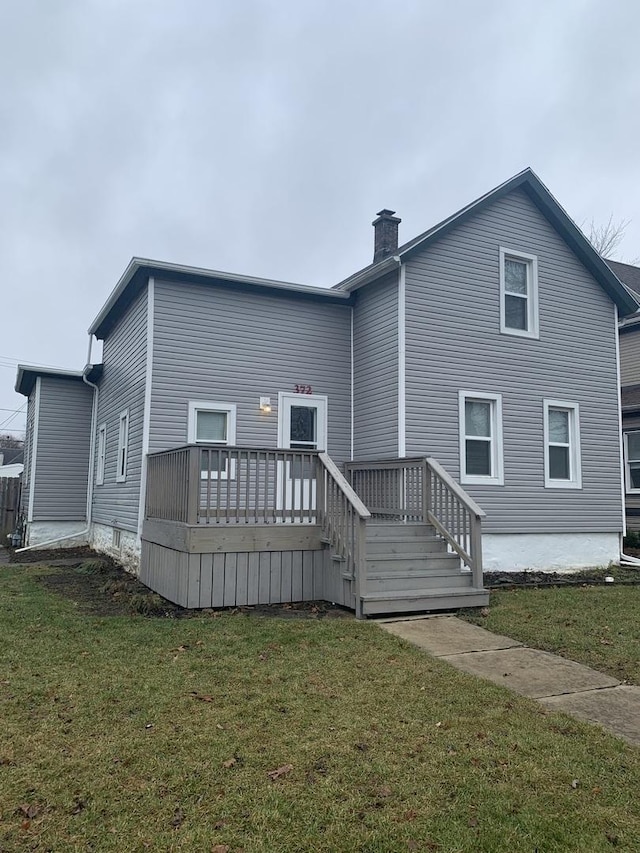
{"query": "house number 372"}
pixel 302 389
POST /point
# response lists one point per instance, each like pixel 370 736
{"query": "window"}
pixel 213 424
pixel 481 438
pixel 123 441
pixel 102 452
pixel 632 460
pixel 518 294
pixel 561 445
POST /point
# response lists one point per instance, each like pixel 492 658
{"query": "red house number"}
pixel 302 389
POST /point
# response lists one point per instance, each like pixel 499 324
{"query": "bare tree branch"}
pixel 606 239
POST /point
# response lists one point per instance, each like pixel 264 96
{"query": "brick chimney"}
pixel 385 234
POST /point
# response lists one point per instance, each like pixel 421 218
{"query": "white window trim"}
pixel 627 471
pixel 196 406
pixel 533 328
pixel 123 446
pixel 497 450
pixel 575 456
pixel 102 454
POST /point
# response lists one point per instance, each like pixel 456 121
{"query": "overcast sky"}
pixel 261 136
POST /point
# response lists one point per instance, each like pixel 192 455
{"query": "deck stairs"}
pixel 410 569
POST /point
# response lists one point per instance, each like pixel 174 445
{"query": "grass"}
pixel 133 734
pixel 595 625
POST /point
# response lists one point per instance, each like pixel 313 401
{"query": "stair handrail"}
pixel 343 517
pixel 448 507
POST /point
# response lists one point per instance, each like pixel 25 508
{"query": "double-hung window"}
pixel 101 455
pixel 632 460
pixel 213 425
pixel 518 294
pixel 123 446
pixel 562 465
pixel 481 459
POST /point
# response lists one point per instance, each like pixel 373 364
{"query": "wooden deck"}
pixel 254 538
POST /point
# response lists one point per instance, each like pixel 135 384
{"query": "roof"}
pixel 630 277
pixel 12 455
pixel 28 373
pixel 530 183
pixel 11 471
pixel 139 270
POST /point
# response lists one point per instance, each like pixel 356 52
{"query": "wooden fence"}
pixel 9 506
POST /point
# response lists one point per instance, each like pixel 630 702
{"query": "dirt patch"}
pixel 101 587
pixel 620 575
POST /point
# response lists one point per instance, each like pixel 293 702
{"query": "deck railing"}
pixel 419 489
pixel 343 517
pixel 232 485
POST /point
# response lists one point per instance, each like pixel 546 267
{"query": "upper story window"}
pixel 518 294
pixel 102 453
pixel 632 460
pixel 481 456
pixel 213 424
pixel 123 447
pixel 562 464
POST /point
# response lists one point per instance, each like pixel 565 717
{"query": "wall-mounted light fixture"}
pixel 265 404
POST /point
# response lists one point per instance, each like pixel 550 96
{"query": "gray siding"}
pixel 122 386
pixel 232 346
pixel 28 454
pixel 454 343
pixel 62 454
pixel 630 356
pixel 375 362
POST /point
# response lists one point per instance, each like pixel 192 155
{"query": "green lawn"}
pixel 127 733
pixel 595 625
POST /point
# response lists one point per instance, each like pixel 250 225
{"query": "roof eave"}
pixel 28 373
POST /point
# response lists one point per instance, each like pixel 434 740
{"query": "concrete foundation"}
pixel 43 532
pixel 551 552
pixel 126 552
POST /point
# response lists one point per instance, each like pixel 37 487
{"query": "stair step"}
pixel 404 545
pixel 447 598
pixel 403 563
pixel 382 529
pixel 417 581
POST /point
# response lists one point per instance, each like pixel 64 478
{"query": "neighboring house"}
pixel 630 394
pixel 11 456
pixel 11 471
pixel 261 441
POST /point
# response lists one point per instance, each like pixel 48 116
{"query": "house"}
pixel 453 405
pixel 630 394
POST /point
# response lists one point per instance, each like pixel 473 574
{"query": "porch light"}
pixel 265 404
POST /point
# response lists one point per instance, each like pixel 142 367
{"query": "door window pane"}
pixel 478 418
pixel 633 446
pixel 634 475
pixel 478 457
pixel 303 427
pixel 211 426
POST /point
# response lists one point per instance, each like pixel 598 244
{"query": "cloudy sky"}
pixel 261 136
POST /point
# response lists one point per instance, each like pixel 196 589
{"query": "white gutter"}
pixel 402 360
pixel 34 451
pixel 146 418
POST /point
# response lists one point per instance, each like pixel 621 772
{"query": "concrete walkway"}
pixel 561 684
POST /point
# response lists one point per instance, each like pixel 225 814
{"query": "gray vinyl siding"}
pixel 375 362
pixel 28 453
pixel 62 454
pixel 224 345
pixel 122 386
pixel 454 343
pixel 630 357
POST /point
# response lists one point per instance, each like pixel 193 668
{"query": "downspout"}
pixel 94 415
pixel 402 354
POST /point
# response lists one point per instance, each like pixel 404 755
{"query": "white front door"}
pixel 302 426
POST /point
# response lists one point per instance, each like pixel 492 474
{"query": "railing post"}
pixel 426 491
pixel 360 563
pixel 318 475
pixel 193 485
pixel 476 551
